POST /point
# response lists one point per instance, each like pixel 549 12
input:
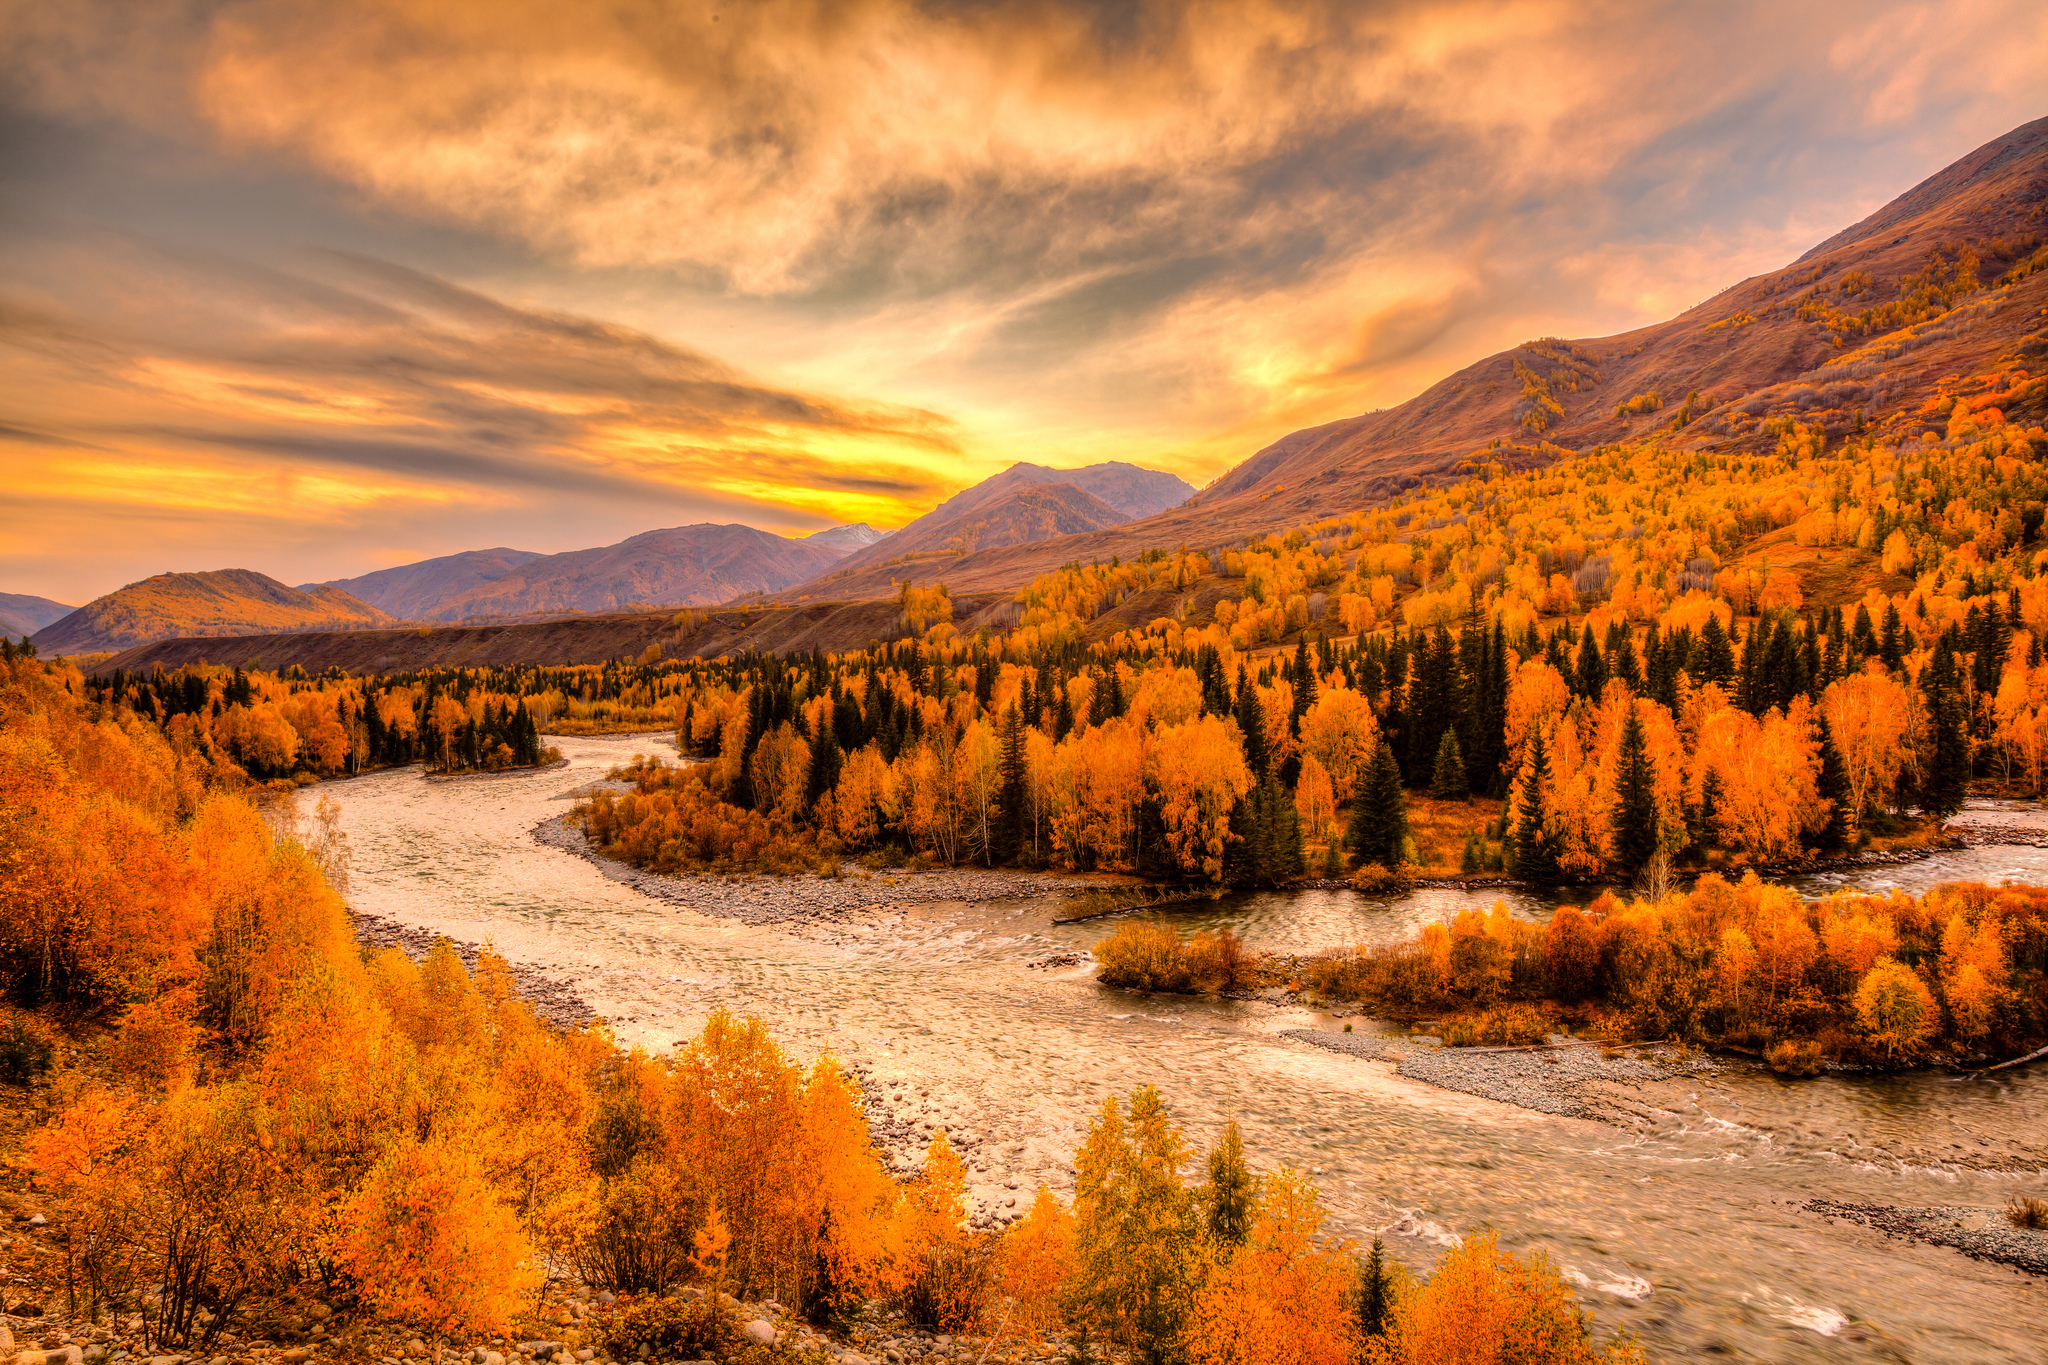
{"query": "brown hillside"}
pixel 410 591
pixel 573 640
pixel 225 602
pixel 680 566
pixel 1855 332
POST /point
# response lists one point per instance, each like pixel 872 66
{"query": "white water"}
pixel 1686 1231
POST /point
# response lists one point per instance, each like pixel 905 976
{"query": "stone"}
pixel 296 1354
pixel 38 1221
pixel 607 1298
pixel 319 1312
pixel 760 1332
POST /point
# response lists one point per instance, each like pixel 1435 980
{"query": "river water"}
pixel 1685 1229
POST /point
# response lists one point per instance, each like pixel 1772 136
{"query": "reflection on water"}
pixel 1687 1230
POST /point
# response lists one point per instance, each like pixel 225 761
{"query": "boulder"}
pixel 762 1333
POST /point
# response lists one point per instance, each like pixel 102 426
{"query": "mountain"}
pixel 1948 278
pixel 845 539
pixel 679 567
pixel 410 591
pixel 1024 503
pixel 21 614
pixel 222 602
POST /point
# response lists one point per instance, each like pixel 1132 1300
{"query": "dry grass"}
pixel 1439 829
pixel 2027 1213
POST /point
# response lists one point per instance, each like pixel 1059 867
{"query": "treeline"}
pixel 1960 973
pixel 288 1106
pixel 269 727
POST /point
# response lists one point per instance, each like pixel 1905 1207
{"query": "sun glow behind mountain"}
pixel 343 288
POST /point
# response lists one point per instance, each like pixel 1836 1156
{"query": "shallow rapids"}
pixel 1684 1226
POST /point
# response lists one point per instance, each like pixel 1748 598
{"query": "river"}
pixel 1686 1229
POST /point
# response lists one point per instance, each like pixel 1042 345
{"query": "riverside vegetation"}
pixel 237 1111
pixel 1959 974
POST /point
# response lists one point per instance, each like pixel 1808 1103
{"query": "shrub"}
pixel 1374 879
pixel 2027 1213
pixel 1144 955
pixel 1794 1057
pixel 1513 1026
pixel 25 1052
pixel 1220 961
pixel 1484 1305
pixel 691 1326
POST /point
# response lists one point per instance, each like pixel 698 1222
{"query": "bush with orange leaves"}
pixel 1962 970
pixel 1483 1305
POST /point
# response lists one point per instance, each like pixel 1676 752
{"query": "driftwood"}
pixel 2035 1055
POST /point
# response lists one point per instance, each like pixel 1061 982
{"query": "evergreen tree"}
pixel 1251 722
pixel 1449 782
pixel 1946 780
pixel 1013 820
pixel 824 767
pixel 1714 659
pixel 1891 646
pixel 1304 687
pixel 1622 664
pixel 1535 846
pixel 1590 675
pixel 1833 788
pixel 1635 798
pixel 1379 813
pixel 1376 1291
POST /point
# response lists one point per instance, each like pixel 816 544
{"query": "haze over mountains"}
pixel 22 614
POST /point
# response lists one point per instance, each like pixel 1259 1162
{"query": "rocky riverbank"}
pixel 1986 1234
pixel 1570 1078
pixel 760 899
pixel 550 997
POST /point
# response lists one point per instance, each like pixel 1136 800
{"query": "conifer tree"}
pixel 1591 673
pixel 1535 846
pixel 1013 813
pixel 1947 778
pixel 1448 782
pixel 1251 722
pixel 1379 813
pixel 1376 1287
pixel 1833 788
pixel 1714 660
pixel 1635 798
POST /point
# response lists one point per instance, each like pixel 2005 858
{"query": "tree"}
pixel 1635 798
pixel 1228 1200
pixel 1590 674
pixel 1832 785
pixel 1895 1007
pixel 1135 1230
pixel 1378 1287
pixel 1379 814
pixel 1013 798
pixel 1945 781
pixel 1534 843
pixel 1448 782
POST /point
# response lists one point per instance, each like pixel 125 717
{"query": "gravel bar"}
pixel 777 900
pixel 1986 1234
pixel 1565 1081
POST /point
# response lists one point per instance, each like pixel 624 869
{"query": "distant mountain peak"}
pixel 845 539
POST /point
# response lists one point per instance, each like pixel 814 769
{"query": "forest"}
pixel 244 1108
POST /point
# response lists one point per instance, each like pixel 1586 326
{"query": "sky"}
pixel 318 288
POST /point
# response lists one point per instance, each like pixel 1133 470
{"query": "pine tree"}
pixel 1714 660
pixel 1013 815
pixel 1622 663
pixel 1535 846
pixel 1379 813
pixel 1833 786
pixel 1635 798
pixel 1590 676
pixel 1251 722
pixel 1947 778
pixel 1376 1288
pixel 1448 782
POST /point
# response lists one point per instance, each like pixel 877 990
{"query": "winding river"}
pixel 1686 1227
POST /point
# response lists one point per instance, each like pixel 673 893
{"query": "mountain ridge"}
pixel 221 602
